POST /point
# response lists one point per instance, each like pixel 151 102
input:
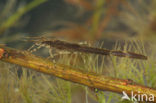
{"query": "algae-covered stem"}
pixel 92 80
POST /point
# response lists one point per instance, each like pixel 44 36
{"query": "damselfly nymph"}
pixel 74 47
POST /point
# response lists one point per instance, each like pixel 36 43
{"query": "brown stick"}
pixel 92 80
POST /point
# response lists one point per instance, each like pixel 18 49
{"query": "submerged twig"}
pixel 92 80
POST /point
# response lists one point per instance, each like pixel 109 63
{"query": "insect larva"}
pixel 74 47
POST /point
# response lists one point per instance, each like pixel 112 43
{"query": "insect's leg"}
pixel 56 53
pixel 52 55
pixel 33 49
pixel 83 43
pixel 64 52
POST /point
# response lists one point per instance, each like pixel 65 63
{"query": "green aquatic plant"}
pixel 12 20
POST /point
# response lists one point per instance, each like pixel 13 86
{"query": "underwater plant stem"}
pixel 101 82
pixel 96 17
pixel 20 12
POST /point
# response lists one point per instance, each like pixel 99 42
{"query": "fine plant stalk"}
pixel 20 12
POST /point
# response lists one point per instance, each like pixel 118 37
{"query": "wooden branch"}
pixel 92 80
